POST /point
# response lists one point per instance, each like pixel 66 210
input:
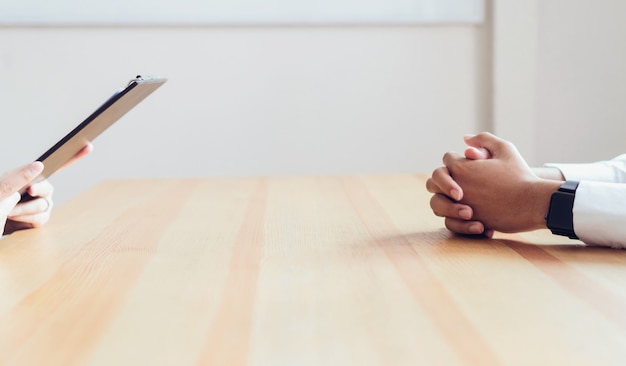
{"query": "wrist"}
pixel 541 195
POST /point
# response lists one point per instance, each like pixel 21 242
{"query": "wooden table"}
pixel 298 271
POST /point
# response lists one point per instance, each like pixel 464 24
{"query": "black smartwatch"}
pixel 560 217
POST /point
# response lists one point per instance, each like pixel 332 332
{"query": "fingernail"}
pixel 475 229
pixel 36 167
pixel 455 194
pixel 465 213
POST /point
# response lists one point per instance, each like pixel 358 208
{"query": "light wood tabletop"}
pixel 298 271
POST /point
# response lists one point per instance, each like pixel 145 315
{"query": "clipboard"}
pixel 101 119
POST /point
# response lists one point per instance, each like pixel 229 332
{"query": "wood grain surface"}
pixel 349 270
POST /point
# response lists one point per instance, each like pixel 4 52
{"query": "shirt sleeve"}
pixel 600 204
pixel 612 171
pixel 600 213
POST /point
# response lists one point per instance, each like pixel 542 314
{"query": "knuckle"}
pixel 509 145
pixel 440 205
pixel 439 174
pixel 456 227
pixel 26 174
pixel 431 186
pixel 449 225
pixel 5 188
pixel 434 205
pixel 433 202
pixel 39 220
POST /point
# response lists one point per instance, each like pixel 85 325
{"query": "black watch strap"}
pixel 560 217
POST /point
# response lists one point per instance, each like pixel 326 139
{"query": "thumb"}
pixel 16 179
pixel 485 145
pixel 477 153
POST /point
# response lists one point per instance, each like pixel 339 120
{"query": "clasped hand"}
pixel 16 215
pixel 489 188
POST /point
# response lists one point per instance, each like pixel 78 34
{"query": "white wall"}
pixel 514 59
pixel 245 100
pixel 321 100
pixel 241 12
pixel 581 108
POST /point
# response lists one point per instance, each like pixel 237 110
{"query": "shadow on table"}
pixel 536 247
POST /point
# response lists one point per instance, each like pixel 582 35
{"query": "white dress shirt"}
pixel 600 203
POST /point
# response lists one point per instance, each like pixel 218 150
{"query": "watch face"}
pixel 569 186
pixel 560 218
